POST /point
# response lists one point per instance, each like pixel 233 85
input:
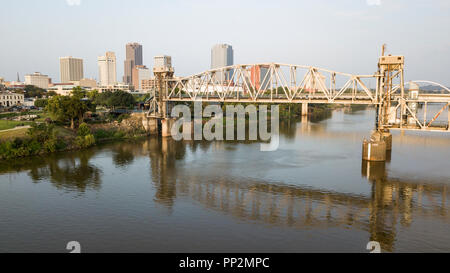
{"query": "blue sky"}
pixel 343 35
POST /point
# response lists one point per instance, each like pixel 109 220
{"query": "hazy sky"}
pixel 341 35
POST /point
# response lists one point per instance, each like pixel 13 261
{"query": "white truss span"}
pixel 286 83
pixel 274 82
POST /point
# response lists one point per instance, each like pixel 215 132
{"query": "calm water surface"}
pixel 312 195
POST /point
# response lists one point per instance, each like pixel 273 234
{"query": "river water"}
pixel 314 194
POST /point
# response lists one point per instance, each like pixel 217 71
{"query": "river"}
pixel 314 194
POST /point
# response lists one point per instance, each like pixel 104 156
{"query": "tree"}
pixel 78 92
pixel 32 91
pixel 41 103
pixel 100 98
pixel 51 94
pixel 85 138
pixel 64 108
pixel 112 99
pixel 93 95
pixel 121 99
pixel 84 130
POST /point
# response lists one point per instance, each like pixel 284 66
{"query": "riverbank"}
pixel 44 138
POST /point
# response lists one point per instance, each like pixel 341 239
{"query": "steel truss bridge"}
pixel 276 83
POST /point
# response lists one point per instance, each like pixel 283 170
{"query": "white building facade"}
pixel 107 68
pixel 8 99
pixel 37 79
pixel 62 89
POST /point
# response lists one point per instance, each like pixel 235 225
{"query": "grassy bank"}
pixel 10 124
pixel 8 135
pixel 43 138
pixel 7 122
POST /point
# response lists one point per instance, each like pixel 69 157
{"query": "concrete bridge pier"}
pixel 387 137
pixel 305 113
pixel 151 125
pixel 166 126
pixel 377 147
pixel 304 109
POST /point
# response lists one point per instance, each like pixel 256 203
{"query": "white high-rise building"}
pixel 222 55
pixel 71 69
pixel 107 69
pixel 37 79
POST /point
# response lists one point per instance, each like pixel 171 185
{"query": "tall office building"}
pixel 222 55
pixel 133 58
pixel 107 69
pixel 71 69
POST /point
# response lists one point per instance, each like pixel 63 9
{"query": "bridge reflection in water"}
pixel 391 203
pixel 184 170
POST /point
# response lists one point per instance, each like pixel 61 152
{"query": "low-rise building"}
pixel 62 89
pixel 15 85
pixel 85 83
pixel 114 88
pixel 140 73
pixel 29 102
pixel 147 85
pixel 8 99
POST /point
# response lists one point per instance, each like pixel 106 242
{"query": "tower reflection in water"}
pixel 391 203
pixel 398 202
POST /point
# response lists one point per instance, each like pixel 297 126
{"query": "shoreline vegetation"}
pixel 44 138
pixel 71 123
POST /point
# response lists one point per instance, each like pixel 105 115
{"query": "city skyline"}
pixel 421 41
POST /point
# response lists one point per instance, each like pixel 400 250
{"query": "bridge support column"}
pixel 166 126
pixel 375 149
pixel 150 125
pixel 304 109
pixel 387 137
pixel 305 112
